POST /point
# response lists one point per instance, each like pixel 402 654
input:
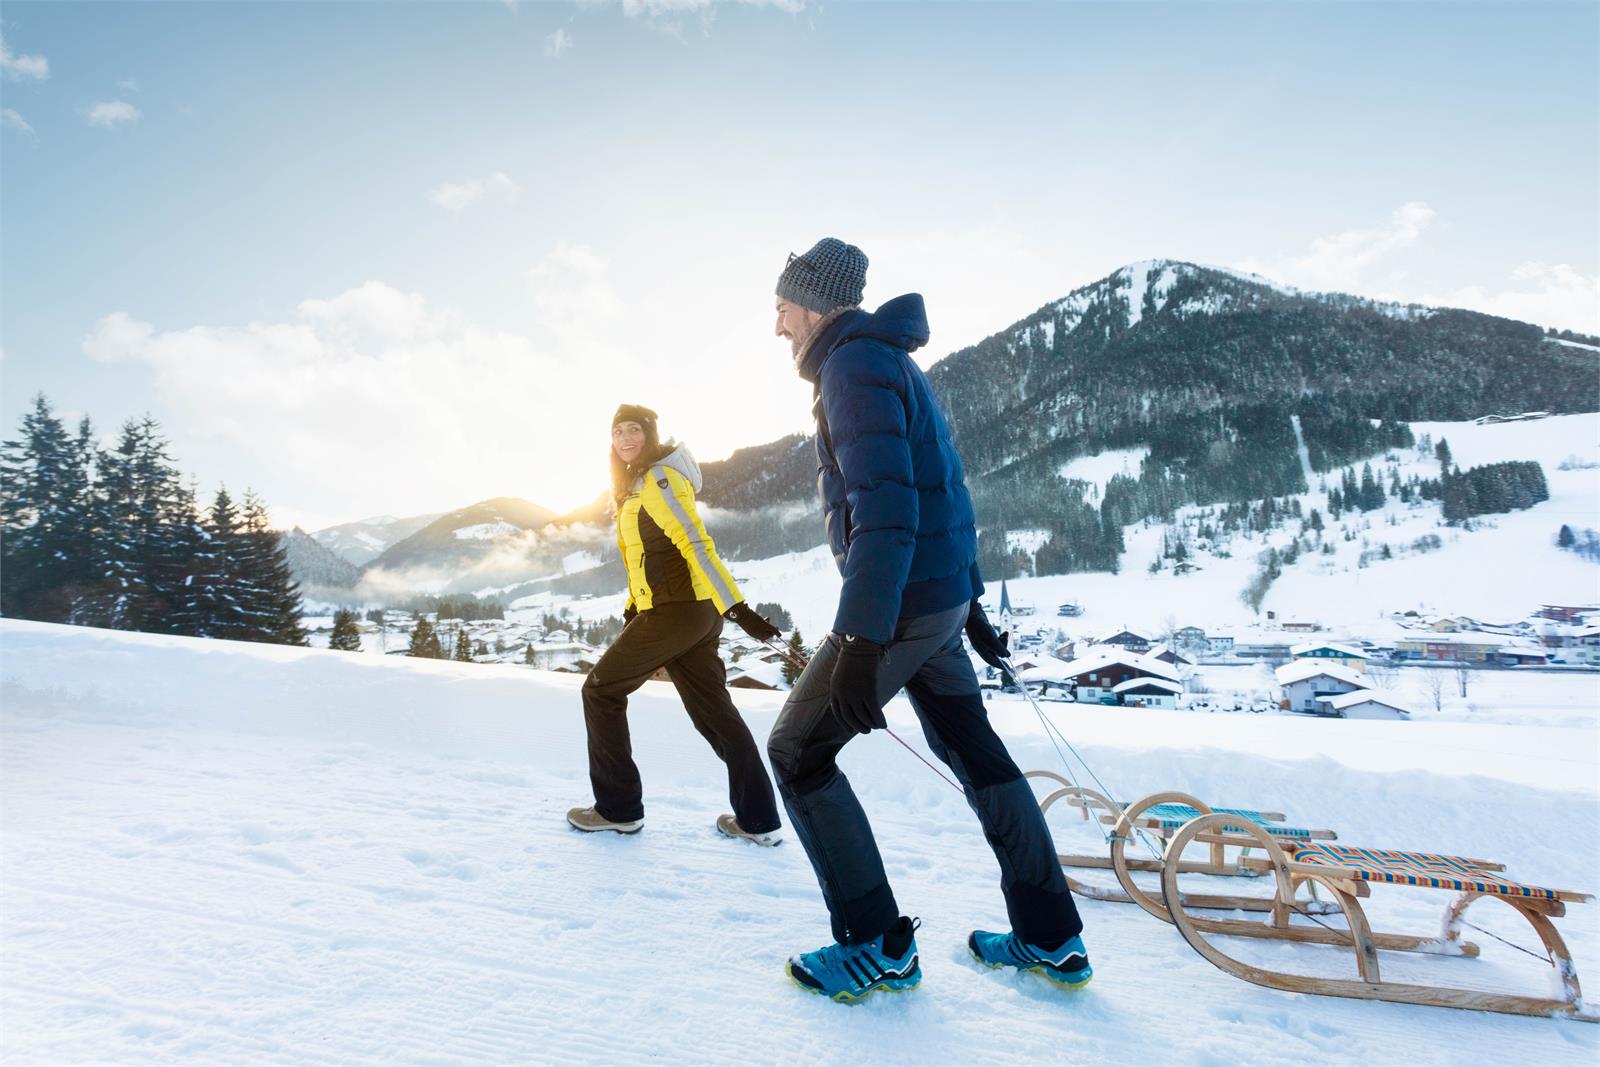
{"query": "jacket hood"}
pixel 901 323
pixel 681 460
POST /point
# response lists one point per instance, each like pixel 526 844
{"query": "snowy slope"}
pixel 236 854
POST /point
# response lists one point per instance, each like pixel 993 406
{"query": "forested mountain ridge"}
pixel 1204 366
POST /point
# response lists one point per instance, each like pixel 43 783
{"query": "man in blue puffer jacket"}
pixel 901 527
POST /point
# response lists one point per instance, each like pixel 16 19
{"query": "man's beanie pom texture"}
pixel 831 275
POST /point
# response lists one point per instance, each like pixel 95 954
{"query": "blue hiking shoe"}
pixel 849 972
pixel 1066 966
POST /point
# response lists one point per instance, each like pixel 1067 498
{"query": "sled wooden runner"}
pixel 1348 874
pixel 1156 818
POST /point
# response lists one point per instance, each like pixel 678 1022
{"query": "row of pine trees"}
pixel 115 537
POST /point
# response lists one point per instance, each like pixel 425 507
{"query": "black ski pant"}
pixel 927 659
pixel 682 637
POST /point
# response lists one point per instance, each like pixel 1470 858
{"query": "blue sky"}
pixel 395 258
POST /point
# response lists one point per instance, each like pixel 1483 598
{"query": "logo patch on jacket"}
pixel 662 482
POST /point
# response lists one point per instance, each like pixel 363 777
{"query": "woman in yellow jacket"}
pixel 678 595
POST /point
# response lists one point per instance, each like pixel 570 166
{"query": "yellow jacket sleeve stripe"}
pixel 675 513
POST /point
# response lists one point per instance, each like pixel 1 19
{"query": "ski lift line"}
pixel 800 664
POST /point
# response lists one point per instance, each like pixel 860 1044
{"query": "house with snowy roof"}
pixel 1170 656
pixel 1093 676
pixel 1128 640
pixel 1365 704
pixel 1147 692
pixel 1304 681
pixel 1331 652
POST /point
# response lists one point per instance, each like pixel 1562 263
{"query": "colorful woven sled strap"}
pixel 1415 868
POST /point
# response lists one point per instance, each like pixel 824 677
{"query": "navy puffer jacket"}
pixel 898 515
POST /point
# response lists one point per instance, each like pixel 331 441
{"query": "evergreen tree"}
pixel 345 636
pixel 1441 452
pixel 218 596
pixel 797 649
pixel 46 516
pixel 425 641
pixel 527 653
pixel 463 646
pixel 1566 538
pixel 270 599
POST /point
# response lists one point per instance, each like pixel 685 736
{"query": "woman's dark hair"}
pixel 623 474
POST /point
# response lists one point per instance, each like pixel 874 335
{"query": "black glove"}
pixel 992 647
pixel 628 613
pixel 747 620
pixel 854 686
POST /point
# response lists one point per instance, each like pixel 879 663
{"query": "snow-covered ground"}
pixel 230 853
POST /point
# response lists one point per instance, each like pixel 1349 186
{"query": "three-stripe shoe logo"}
pixel 864 970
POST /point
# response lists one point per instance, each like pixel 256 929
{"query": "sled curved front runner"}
pixel 1347 874
pixel 1147 824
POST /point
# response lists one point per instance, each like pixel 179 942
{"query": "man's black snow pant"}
pixel 927 659
pixel 682 637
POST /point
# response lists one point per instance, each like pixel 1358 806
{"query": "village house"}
pixel 1093 677
pixel 1365 704
pixel 1148 693
pixel 1128 641
pixel 1219 644
pixel 1303 681
pixel 1568 615
pixel 1581 646
pixel 1192 638
pixel 1448 648
pixel 1331 652
pixel 1272 651
pixel 1170 656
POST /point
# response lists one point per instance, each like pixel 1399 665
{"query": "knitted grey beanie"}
pixel 829 276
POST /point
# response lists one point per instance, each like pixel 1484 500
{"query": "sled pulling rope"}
pixel 799 664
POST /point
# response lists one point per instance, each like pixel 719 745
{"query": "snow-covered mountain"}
pixel 1204 366
pixel 364 540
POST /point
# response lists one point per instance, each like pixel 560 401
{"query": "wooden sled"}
pixel 1348 874
pixel 1156 818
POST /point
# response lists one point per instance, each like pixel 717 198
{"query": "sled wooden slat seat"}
pixel 1347 873
pixel 1421 869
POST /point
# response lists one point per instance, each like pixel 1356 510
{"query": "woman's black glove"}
pixel 992 647
pixel 628 613
pixel 742 615
pixel 854 686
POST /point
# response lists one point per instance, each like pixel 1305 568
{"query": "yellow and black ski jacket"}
pixel 664 545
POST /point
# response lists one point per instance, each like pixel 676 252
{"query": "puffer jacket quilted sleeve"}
pixel 864 398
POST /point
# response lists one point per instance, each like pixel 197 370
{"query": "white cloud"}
pixel 571 293
pixel 376 394
pixel 16 66
pixel 1346 261
pixel 13 121
pixel 456 197
pixel 557 43
pixel 1556 295
pixel 109 113
pixel 130 84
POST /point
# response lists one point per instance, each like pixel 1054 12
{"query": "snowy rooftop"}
pixel 1364 696
pixel 1303 669
pixel 1098 658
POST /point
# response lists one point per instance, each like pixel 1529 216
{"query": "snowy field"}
pixel 231 854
